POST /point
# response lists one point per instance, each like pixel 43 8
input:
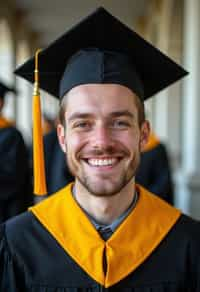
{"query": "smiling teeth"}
pixel 101 162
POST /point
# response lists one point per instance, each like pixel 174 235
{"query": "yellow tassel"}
pixel 38 147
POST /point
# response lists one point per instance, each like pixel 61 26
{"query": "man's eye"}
pixel 81 125
pixel 121 124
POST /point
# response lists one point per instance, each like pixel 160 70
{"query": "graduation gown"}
pixel 154 171
pixel 55 248
pixel 15 176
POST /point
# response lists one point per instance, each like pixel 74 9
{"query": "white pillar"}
pixel 191 135
pixel 161 100
pixel 7 66
pixel 189 193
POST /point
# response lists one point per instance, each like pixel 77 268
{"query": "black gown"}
pixel 154 172
pixel 15 176
pixel 55 248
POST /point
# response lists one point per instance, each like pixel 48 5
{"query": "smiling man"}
pixel 102 138
pixel 102 232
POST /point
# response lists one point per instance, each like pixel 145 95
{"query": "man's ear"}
pixel 61 137
pixel 144 134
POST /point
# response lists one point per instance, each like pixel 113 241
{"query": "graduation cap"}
pixel 103 31
pixel 4 89
pixel 101 49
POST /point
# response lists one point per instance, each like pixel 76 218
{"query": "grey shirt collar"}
pixel 115 224
pixel 101 228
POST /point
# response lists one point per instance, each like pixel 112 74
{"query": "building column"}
pixel 162 41
pixel 189 178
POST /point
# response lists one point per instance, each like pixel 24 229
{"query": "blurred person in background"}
pixel 48 123
pixel 154 172
pixel 15 178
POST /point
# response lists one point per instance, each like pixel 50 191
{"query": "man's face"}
pixel 102 139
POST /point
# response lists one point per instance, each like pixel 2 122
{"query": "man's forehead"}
pixel 99 95
pixel 94 89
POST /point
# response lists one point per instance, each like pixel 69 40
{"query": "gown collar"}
pixel 128 247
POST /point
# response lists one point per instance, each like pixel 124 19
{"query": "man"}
pixel 154 171
pixel 102 232
pixel 15 179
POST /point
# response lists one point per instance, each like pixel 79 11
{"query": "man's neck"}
pixel 105 209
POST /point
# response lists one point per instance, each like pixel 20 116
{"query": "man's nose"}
pixel 102 137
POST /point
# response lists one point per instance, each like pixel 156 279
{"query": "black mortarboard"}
pixel 5 89
pixel 106 51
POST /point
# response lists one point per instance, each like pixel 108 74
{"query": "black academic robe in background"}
pixel 15 177
pixel 154 172
pixel 55 248
pixel 57 172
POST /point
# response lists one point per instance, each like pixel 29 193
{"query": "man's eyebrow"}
pixel 122 113
pixel 79 115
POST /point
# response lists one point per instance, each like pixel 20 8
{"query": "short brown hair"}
pixel 141 110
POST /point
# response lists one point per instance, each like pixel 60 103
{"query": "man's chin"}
pixel 104 189
pixel 102 192
pixel 104 186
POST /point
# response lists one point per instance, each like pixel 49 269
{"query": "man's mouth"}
pixel 102 161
